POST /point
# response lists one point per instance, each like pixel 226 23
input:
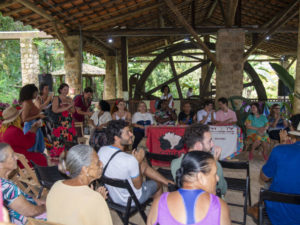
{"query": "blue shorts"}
pixel 149 188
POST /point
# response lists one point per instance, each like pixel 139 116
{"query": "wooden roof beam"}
pixel 15 35
pixel 15 11
pixel 121 17
pixel 211 9
pixel 275 25
pixel 151 32
pixel 41 12
pixel 231 12
pixel 98 45
pixel 73 15
pixel 6 3
pixel 179 17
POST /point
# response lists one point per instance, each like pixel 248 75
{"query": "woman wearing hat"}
pixel 12 134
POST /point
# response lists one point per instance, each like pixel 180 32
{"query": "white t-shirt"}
pixel 166 98
pixel 122 166
pixel 202 113
pixel 104 118
pixel 138 116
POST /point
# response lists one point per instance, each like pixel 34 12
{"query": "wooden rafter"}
pixel 15 11
pixel 71 17
pixel 231 12
pixel 121 17
pixel 40 12
pixel 275 25
pixel 179 17
pixel 6 3
pixel 175 76
pixel 222 10
pixel 211 9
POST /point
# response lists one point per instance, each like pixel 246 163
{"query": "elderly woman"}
pixel 195 201
pixel 30 114
pixel 257 125
pixel 11 133
pixel 140 120
pixel 19 205
pixel 83 166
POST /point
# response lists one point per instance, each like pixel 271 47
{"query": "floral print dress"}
pixel 63 133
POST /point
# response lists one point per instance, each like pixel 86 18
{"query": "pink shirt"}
pixel 222 116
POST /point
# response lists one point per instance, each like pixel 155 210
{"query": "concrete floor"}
pixel 231 196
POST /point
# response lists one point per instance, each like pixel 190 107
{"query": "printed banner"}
pixel 165 140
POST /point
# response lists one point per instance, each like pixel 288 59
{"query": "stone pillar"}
pixel 119 78
pixel 29 62
pixel 73 65
pixel 229 52
pixel 110 78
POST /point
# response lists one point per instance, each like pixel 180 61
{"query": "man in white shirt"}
pixel 206 115
pixel 132 167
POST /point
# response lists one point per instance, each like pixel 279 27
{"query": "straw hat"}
pixel 296 132
pixel 10 114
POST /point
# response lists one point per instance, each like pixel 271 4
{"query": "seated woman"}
pixel 73 202
pixel 120 112
pixel 101 117
pixel 277 122
pixel 257 125
pixel 31 114
pixel 165 115
pixel 195 201
pixel 98 122
pixel 12 134
pixel 140 120
pixel 19 205
pixel 186 116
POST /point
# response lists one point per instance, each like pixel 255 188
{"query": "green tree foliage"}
pixel 10 61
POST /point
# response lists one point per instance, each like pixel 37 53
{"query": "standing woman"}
pixel 43 101
pixel 63 125
pixel 140 120
pixel 120 111
pixel 257 125
pixel 167 96
pixel 31 114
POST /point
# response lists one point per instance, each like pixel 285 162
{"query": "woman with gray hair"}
pixel 19 205
pixel 72 202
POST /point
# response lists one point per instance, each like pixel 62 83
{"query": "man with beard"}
pixel 82 104
pixel 133 167
pixel 197 137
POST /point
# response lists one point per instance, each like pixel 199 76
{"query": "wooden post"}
pixel 124 60
pixel 110 78
pixel 296 103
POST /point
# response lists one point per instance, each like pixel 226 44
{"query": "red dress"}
pixel 20 142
